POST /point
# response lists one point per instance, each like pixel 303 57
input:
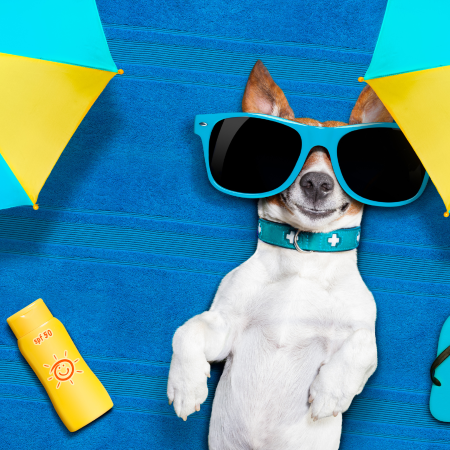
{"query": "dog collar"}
pixel 283 235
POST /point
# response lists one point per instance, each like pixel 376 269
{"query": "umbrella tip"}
pixel 35 206
pixel 361 79
pixel 120 71
pixel 446 214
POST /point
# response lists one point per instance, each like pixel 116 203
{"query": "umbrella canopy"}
pixel 54 63
pixel 410 72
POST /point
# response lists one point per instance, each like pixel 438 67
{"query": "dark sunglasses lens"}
pixel 252 156
pixel 380 165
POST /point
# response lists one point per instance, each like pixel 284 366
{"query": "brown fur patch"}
pixel 334 123
pixel 277 199
pixel 307 121
pixel 355 208
pixel 263 96
pixel 316 123
pixel 316 157
pixel 369 108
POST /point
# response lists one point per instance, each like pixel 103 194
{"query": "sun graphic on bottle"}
pixel 63 369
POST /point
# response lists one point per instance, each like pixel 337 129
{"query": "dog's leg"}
pixel 344 375
pixel 203 338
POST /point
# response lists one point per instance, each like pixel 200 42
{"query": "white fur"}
pixel 292 327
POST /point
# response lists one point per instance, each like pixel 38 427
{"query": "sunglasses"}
pixel 257 155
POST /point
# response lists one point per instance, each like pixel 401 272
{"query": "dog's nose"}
pixel 316 185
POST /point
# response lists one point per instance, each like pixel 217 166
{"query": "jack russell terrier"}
pixel 296 329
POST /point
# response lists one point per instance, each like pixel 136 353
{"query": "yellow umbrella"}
pixel 410 72
pixel 54 63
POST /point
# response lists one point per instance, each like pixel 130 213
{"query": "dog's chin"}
pixel 317 214
pixel 316 217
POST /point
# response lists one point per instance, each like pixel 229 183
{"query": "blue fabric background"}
pixel 131 240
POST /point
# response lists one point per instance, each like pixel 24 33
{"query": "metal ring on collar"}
pixel 296 245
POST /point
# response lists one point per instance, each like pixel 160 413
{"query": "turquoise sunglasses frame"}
pixel 312 136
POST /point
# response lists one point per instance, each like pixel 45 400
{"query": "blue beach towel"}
pixel 131 240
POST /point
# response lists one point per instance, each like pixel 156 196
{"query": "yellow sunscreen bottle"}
pixel 76 393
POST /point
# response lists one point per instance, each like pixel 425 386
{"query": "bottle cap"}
pixel 29 318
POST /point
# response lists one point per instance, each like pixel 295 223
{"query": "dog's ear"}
pixel 262 95
pixel 369 108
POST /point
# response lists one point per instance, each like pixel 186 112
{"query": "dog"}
pixel 296 330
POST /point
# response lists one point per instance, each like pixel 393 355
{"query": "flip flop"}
pixel 440 376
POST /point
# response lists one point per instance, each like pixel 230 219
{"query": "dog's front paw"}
pixel 328 396
pixel 187 387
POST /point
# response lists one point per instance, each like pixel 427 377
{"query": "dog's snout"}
pixel 316 185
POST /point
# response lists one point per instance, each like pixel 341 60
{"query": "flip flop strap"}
pixel 437 362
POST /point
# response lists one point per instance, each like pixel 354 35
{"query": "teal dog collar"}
pixel 284 235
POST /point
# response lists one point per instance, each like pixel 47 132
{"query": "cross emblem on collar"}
pixel 290 237
pixel 334 240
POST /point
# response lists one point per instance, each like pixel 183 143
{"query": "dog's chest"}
pixel 299 312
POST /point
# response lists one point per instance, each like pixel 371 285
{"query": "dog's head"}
pixel 315 201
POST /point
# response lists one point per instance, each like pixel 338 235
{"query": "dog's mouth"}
pixel 322 213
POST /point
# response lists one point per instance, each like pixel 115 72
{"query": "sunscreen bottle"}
pixel 76 393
